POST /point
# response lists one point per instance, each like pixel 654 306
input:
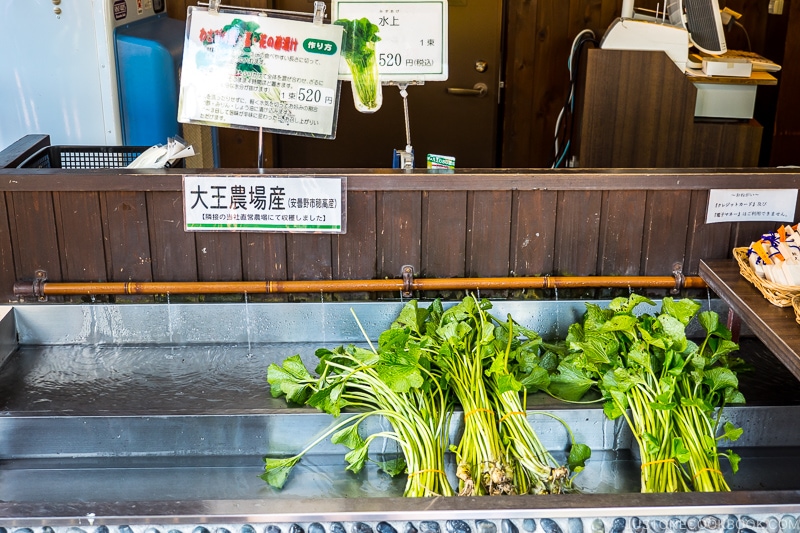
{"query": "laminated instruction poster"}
pixel 256 72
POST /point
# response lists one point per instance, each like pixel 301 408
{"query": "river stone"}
pixel 316 527
pixel 485 526
pixel 198 529
pixel 529 525
pixel 574 525
pixel 549 526
pixel 457 526
pixel 273 529
pixel 383 527
pixel 429 526
pixel 507 526
pixel 337 527
pixel 618 525
pixel 693 523
pixel 598 526
pixel 297 528
pixel 638 525
pixel 104 529
pixel 676 525
pixel 359 527
pixel 731 524
pixel 247 528
pixel 710 522
pixel 657 526
pixel 773 524
pixel 789 524
pixel 410 528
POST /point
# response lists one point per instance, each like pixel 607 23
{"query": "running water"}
pixel 247 325
pixel 170 326
pixel 557 324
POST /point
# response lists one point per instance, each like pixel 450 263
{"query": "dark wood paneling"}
pixel 621 230
pixel 81 242
pixel 7 273
pixel 483 225
pixel 219 255
pixel 399 225
pixel 34 236
pixel 714 144
pixel 665 231
pixel 356 251
pixel 704 240
pixel 577 232
pixel 444 232
pixel 623 125
pixel 489 224
pixel 533 232
pixel 264 256
pixel 173 250
pixel 519 73
pixel 309 257
pixel 128 242
pixel 786 141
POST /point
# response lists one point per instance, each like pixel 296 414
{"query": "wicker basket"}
pixel 780 295
pixel 796 306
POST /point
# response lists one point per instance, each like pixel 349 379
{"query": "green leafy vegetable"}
pixel 669 390
pixel 426 362
pixel 358 48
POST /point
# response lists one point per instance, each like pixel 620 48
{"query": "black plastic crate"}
pixel 84 157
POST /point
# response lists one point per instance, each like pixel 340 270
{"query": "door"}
pixel 457 117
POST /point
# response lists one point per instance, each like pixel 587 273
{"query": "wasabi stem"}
pixel 358 48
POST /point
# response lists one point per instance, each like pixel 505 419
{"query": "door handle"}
pixel 479 89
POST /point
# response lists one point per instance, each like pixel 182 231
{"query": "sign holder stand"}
pixel 405 158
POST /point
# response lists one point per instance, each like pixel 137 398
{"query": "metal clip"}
pixel 213 6
pixel 408 280
pixel 319 12
pixel 680 279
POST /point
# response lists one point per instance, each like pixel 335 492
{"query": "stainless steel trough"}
pixel 157 417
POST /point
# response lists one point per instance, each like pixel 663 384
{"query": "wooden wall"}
pixel 118 225
pixel 539 35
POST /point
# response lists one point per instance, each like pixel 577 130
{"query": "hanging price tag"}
pixel 252 72
pixel 413 38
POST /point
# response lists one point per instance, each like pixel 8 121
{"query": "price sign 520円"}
pixel 413 37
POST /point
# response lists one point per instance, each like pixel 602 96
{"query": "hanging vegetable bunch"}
pixel 358 48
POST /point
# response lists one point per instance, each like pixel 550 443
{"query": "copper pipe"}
pixel 41 289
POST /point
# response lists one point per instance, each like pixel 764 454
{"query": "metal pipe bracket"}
pixel 407 274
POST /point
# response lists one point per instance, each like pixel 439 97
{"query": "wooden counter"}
pixel 775 326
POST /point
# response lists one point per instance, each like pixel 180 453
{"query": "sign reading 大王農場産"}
pixel 743 205
pixel 254 72
pixel 265 203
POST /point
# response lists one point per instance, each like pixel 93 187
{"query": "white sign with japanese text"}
pixel 748 205
pixel 251 72
pixel 413 37
pixel 265 203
